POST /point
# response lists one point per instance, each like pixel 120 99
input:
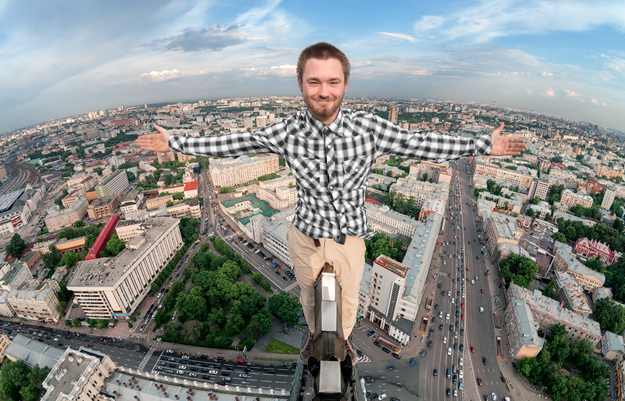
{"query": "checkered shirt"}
pixel 331 162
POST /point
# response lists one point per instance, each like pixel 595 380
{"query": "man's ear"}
pixel 299 84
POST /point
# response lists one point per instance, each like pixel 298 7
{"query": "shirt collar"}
pixel 318 127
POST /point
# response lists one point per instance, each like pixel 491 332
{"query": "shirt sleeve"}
pixel 395 141
pixel 265 140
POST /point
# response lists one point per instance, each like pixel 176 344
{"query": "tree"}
pixel 559 237
pixel 76 323
pixel 52 258
pixel 70 259
pixel 79 223
pixel 113 247
pixel 550 290
pixel 285 307
pixel 529 212
pixel 595 264
pixel 170 331
pixel 170 203
pixel 191 307
pixel 610 315
pixel 192 330
pixel 16 246
pixel 518 269
pixel 160 318
pixel 261 323
pixel 178 195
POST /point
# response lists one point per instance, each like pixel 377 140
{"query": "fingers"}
pixel 160 129
pixel 147 142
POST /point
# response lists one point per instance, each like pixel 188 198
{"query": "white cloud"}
pixel 165 75
pixel 399 36
pixel 490 19
pixel 547 74
pixel 598 103
pixel 529 91
pixel 549 93
pixel 285 70
pixel 573 96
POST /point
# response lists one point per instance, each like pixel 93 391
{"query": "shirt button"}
pixel 331 187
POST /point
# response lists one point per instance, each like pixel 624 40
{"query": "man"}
pixel 330 152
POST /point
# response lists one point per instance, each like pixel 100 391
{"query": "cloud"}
pixel 529 91
pixel 505 92
pixel 165 75
pixel 208 38
pixel 574 96
pixel 284 70
pixel 547 74
pixel 549 93
pixel 596 102
pixel 491 19
pixel 399 36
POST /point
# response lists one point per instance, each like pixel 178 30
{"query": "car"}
pixel 373 396
pixel 360 353
pixel 193 374
pixel 493 396
pixel 390 367
pixel 462 316
pixel 456 391
pixel 182 367
pixel 482 290
pixel 161 363
pixel 377 344
pixel 503 379
pixel 461 362
pixel 206 377
pixel 396 355
pixel 89 345
pixel 370 333
pixel 225 373
pixel 448 392
pixel 423 353
pixel 447 317
pixel 449 293
pixel 383 396
pixel 435 373
pixel 472 349
pixel 242 374
pixel 451 327
pixel 388 351
pixel 440 327
pixel 462 306
pixel 448 350
pixel 169 371
pixel 179 372
pixel 440 285
pixel 213 372
pixel 484 361
pixel 271 371
pixel 369 379
pixel 240 361
pixel 436 306
pixel 430 344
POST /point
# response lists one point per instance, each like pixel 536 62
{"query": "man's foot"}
pixel 306 350
pixel 351 351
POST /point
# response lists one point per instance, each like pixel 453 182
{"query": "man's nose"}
pixel 323 90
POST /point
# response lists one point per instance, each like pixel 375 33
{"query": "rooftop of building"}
pixel 276 228
pixel 132 195
pixel 419 254
pixel 7 200
pixel 33 352
pixel 113 176
pixel 102 201
pixel 106 272
pixel 35 289
pixel 578 195
pixel 574 292
pixel 526 325
pixel 15 269
pixel 77 205
pixel 190 186
pixel 505 225
pixel 259 206
pixel 388 212
pixel 392 265
pixel 216 164
pixel 566 253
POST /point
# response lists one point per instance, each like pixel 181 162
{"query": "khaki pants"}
pixel 308 260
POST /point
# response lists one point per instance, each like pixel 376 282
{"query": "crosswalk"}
pixel 146 358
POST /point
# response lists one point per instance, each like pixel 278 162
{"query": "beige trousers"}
pixel 308 260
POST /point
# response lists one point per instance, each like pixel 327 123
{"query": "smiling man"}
pixel 330 151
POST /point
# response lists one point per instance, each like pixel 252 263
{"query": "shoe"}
pixel 306 350
pixel 351 351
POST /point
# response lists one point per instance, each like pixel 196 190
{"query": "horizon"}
pixel 548 57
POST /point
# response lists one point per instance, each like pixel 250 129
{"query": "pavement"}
pixel 294 337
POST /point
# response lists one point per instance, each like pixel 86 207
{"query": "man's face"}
pixel 323 85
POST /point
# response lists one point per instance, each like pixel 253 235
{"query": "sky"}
pixel 63 58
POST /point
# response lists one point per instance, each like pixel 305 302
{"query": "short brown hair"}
pixel 322 51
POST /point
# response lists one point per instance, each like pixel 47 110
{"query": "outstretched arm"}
pixel 156 143
pixel 506 146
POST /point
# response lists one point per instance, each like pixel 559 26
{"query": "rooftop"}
pixel 77 205
pixel 526 324
pixel 7 200
pixel 258 206
pixel 130 196
pixel 33 352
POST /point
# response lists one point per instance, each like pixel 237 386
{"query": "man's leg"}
pixel 307 262
pixel 349 264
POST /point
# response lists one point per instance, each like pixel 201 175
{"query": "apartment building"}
pixel 15 276
pixel 76 192
pixel 103 207
pixel 420 191
pixel 571 199
pixel 164 157
pixel 607 172
pixel 273 238
pixel 608 198
pixel 114 287
pixel 592 248
pixel 548 312
pixel 571 294
pixel 280 193
pixel 4 339
pixel 387 308
pixel 160 201
pixel 234 172
pixel 503 203
pixel 612 346
pixel 190 208
pixel 502 229
pixel 113 184
pixel 78 376
pixel 67 217
pixel 565 261
pixel 128 229
pixel 540 188
pixel 388 221
pixel 182 158
pixel 522 177
pixel 131 201
pixel 524 341
pixel 190 189
pixel 433 170
pixel 116 161
pixel 35 299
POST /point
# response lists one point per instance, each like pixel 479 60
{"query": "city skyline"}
pixel 553 57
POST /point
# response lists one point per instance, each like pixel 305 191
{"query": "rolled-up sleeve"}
pixel 265 140
pixel 396 141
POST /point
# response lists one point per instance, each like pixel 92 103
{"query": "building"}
pixel 524 341
pixel 67 217
pixel 114 287
pixel 190 189
pixel 565 261
pixel 234 172
pixel 14 211
pixel 420 191
pixel 548 312
pixel 160 201
pixel 70 245
pixel 32 352
pixel 385 220
pixel 522 177
pixel 592 248
pixel 3 171
pixel 36 300
pixel 502 229
pixel 131 202
pixel 17 274
pixel 74 194
pixel 539 188
pixel 571 199
pixel 571 294
pixel 116 161
pixel 190 208
pixel 392 115
pixel 280 193
pixel 113 184
pixel 105 234
pixel 164 157
pixel 78 376
pixel 612 346
pixel 608 199
pixel 103 207
pixel 273 238
pixel 4 343
pixel 128 229
pixel 607 172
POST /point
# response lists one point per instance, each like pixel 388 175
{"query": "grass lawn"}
pixel 278 347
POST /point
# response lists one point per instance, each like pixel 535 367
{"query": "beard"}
pixel 323 111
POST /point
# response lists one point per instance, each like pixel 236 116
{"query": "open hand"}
pixel 157 142
pixel 505 145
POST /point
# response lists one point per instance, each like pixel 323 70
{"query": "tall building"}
pixel 608 199
pixel 392 115
pixel 132 201
pixel 103 207
pixel 114 184
pixel 67 217
pixel 36 299
pixel 571 199
pixel 539 188
pixel 114 287
pixel 234 172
